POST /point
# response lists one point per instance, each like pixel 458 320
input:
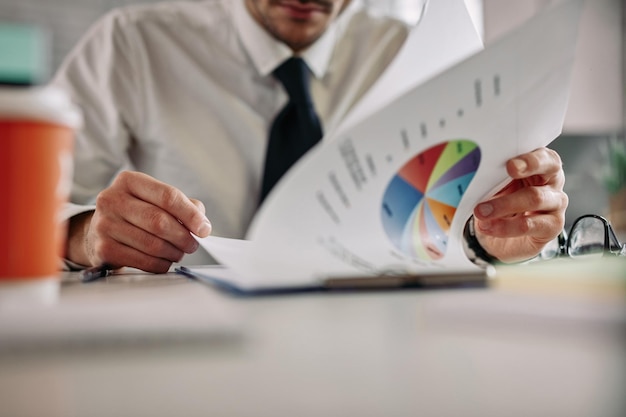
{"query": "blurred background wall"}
pixel 596 115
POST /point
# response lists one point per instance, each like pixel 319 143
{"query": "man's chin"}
pixel 298 38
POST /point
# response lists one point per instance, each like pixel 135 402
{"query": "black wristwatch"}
pixel 474 251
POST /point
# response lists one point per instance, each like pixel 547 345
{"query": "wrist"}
pixel 75 250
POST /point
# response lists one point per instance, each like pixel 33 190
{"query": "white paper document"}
pixel 391 193
pixel 445 36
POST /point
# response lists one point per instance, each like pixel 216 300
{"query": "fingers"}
pixel 523 201
pixel 171 246
pixel 529 212
pixel 518 238
pixel 122 213
pixel 537 186
pixel 117 254
pixel 168 198
pixel 144 223
pixel 540 227
pixel 542 166
pixel 532 205
pixel 199 205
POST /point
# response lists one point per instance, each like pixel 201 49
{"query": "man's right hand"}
pixel 138 222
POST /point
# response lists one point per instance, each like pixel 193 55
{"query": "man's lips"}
pixel 299 10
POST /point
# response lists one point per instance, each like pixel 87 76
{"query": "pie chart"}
pixel 421 199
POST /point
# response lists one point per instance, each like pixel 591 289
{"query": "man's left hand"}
pixel 529 212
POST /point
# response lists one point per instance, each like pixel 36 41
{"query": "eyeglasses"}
pixel 590 236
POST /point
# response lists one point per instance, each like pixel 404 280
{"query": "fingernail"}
pixel 485 209
pixel 520 165
pixel 205 229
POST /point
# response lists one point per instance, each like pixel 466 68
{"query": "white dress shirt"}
pixel 183 91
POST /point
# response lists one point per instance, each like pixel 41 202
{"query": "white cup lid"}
pixel 46 103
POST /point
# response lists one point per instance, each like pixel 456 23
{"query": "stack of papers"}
pixel 389 192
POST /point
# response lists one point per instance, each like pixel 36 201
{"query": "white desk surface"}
pixel 479 352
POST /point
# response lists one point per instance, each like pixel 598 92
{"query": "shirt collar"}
pixel 267 53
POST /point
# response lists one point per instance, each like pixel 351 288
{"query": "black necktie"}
pixel 295 129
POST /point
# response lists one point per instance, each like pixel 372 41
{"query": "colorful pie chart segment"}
pixel 420 201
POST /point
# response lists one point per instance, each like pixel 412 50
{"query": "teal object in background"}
pixel 23 54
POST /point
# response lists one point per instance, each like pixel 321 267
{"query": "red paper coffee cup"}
pixel 37 128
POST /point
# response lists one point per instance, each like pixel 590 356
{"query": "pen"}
pixel 96 272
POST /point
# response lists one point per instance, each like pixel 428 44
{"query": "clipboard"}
pixel 224 279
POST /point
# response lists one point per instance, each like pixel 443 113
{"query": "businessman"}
pixel 193 110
